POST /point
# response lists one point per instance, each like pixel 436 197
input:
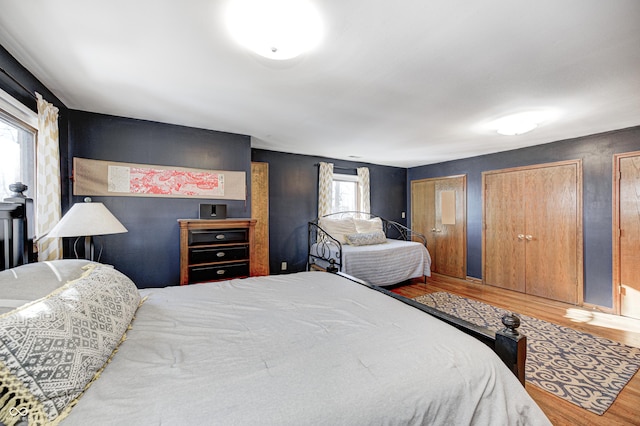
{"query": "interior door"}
pixel 628 234
pixel 504 234
pixel 431 200
pixel 551 232
pixel 450 224
pixel 260 212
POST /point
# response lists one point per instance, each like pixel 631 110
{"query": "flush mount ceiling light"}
pixel 522 122
pixel 276 29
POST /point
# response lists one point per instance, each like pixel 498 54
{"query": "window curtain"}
pixel 363 187
pixel 48 210
pixel 325 183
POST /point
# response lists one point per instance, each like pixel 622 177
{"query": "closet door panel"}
pixel 504 231
pixel 423 214
pixel 551 224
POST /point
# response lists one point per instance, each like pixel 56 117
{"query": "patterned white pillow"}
pixel 338 228
pixel 366 238
pixel 51 349
pixel 368 225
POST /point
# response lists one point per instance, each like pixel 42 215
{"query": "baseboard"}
pixel 474 280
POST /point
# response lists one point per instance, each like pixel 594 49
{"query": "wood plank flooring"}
pixel 624 411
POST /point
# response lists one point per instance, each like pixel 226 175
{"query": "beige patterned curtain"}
pixel 363 186
pixel 325 183
pixel 48 210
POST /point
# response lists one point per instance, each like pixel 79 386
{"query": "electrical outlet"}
pixel 404 215
pixel 283 266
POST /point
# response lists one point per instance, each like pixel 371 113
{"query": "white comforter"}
pixel 303 349
pixel 382 264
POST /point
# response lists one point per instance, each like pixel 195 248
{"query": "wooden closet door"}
pixel 627 236
pixel 551 232
pixel 423 214
pixel 450 237
pixel 504 212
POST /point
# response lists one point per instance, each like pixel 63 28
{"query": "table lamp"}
pixel 86 220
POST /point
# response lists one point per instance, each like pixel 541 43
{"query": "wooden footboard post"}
pixel 511 346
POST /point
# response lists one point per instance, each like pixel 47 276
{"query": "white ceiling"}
pixel 400 83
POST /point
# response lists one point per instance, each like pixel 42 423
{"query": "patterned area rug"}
pixel 583 369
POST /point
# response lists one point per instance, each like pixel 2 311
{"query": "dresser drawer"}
pixel 211 236
pixel 218 272
pixel 218 254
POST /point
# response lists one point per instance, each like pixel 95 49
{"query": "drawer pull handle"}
pixel 221 272
pixel 220 237
pixel 220 254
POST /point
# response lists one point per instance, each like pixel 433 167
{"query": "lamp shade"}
pixel 86 219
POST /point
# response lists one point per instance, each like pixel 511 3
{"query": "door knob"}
pixel 529 237
pixel 520 236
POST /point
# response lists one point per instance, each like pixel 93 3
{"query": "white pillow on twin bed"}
pixel 338 228
pixel 53 348
pixel 364 226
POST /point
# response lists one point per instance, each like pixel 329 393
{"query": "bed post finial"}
pixel 511 346
pixel 511 322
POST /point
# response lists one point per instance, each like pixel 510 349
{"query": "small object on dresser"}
pixel 213 211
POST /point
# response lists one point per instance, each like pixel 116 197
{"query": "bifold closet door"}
pixel 551 232
pixel 504 210
pixel 533 230
pixel 423 214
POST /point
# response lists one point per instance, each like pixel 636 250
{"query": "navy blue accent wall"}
pixel 596 153
pixel 293 200
pixel 149 252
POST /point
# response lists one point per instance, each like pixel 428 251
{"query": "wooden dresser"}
pixel 213 250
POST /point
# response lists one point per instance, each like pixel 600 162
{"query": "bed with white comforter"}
pixel 310 348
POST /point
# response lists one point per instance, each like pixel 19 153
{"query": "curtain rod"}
pixel 338 167
pixel 18 83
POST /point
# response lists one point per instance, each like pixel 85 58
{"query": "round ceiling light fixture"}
pixel 275 29
pixel 522 122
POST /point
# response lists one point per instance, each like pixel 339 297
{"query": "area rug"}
pixel 586 370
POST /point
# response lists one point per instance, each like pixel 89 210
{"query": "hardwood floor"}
pixel 624 411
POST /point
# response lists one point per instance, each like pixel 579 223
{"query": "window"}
pixel 17 146
pixel 345 195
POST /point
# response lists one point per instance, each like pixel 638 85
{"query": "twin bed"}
pixel 305 348
pixel 376 250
